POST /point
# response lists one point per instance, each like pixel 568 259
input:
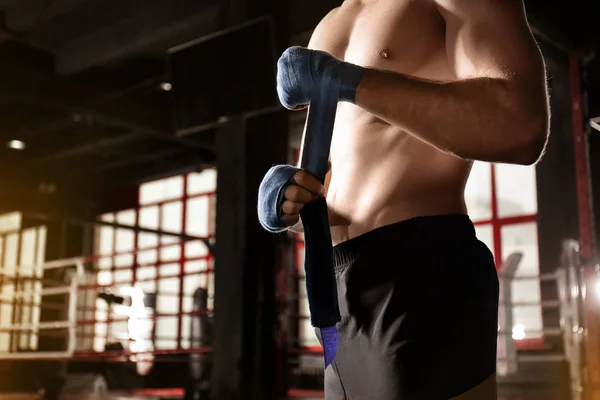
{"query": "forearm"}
pixel 475 119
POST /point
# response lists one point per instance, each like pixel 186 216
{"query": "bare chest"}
pixel 405 36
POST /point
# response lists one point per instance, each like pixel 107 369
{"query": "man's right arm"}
pixel 316 37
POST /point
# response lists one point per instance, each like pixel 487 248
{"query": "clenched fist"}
pixel 283 193
pixel 303 189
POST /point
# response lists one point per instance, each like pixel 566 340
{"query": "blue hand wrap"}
pixel 321 286
pixel 299 70
pixel 271 196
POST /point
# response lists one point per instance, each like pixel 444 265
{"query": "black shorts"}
pixel 419 305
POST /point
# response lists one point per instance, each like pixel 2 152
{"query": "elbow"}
pixel 532 138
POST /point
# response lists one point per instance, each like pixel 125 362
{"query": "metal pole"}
pixel 138 229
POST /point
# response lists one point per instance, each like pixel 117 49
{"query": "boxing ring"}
pixel 145 304
pixel 119 321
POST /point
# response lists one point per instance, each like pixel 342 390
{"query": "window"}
pixel 22 253
pixel 502 202
pixel 156 264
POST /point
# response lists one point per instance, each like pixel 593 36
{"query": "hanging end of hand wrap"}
pixel 329 336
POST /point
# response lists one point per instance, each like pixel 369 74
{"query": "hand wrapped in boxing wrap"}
pixel 313 77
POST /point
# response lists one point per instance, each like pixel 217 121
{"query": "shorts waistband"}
pixel 400 235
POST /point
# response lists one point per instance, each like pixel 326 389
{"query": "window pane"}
pixel 123 276
pixel 105 277
pixel 167 301
pixel 147 257
pixel 203 182
pixel 41 247
pixel 523 238
pixel 169 269
pixel 478 192
pixel 170 253
pixel 197 280
pixel 485 233
pixel 197 216
pixel 210 283
pixel 10 256
pixel 148 219
pixel 145 273
pixel 516 190
pixel 28 247
pixel 104 263
pixel 124 260
pixel 10 222
pixel 144 276
pixel 195 248
pixel 164 189
pixel 104 239
pixel 171 220
pixel 125 237
pixel 197 266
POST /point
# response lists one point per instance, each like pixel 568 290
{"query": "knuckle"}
pixel 300 176
pixel 288 207
pixel 297 194
pixel 291 192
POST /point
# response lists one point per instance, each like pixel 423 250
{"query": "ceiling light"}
pixel 166 86
pixel 16 145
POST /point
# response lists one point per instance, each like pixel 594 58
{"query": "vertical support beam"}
pixel 496 228
pixel 580 132
pixel 184 206
pixel 231 288
pixel 592 349
pixel 245 315
pixel 557 208
pixel 264 249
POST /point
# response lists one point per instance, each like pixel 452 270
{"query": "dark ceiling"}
pixel 81 82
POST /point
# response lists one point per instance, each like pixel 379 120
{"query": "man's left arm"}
pixel 497 109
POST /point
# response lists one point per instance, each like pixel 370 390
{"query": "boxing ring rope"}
pixel 84 285
pixel 70 324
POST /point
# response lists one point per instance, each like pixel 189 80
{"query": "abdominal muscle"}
pixel 381 175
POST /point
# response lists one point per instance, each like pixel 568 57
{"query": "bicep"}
pixel 492 39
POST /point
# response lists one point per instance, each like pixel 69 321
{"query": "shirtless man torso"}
pixel 445 82
pixel 382 174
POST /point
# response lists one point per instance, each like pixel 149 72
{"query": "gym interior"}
pixel 135 135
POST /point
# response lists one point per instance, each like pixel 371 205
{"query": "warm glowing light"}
pixel 518 332
pixel 597 288
pixel 166 86
pixel 16 145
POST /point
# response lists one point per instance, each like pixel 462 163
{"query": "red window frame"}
pixel 181 261
pixel 497 223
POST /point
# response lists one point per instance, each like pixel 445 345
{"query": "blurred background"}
pixel 133 137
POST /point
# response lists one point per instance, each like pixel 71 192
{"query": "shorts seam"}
pixel 339 374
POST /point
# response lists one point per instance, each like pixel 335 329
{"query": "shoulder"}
pixel 475 8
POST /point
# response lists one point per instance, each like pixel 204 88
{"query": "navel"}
pixel 384 54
